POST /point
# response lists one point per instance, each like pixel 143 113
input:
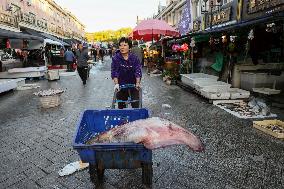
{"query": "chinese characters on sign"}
pixel 7 19
pixel 224 15
pixel 262 5
pixel 253 9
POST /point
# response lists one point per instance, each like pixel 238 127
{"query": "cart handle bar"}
pixel 127 86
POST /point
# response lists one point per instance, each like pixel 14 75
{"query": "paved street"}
pixel 37 143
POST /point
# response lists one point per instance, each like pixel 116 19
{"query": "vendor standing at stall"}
pixel 126 69
pixel 69 59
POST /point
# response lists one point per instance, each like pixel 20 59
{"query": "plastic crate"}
pixel 111 155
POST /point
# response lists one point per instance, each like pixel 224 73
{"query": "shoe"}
pixel 84 82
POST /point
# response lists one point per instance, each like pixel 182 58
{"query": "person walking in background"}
pixel 137 51
pixel 69 59
pixel 25 54
pixel 113 50
pixel 82 62
pixel 126 69
pixel 102 53
pixel 95 54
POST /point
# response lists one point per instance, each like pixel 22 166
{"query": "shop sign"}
pixel 222 16
pixel 262 5
pixel 196 25
pixel 6 19
pixel 52 28
pixel 59 30
pixel 42 24
pixel 28 18
pixel 257 8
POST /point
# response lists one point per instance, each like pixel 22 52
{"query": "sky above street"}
pixel 100 15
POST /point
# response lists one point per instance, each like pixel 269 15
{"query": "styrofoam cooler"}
pixel 212 86
pixel 199 75
pixel 189 79
pixel 221 95
pixel 7 84
pixel 236 93
pixel 53 75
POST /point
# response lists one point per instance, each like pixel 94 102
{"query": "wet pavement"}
pixel 36 143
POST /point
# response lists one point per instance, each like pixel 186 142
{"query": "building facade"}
pixel 40 15
pixel 199 10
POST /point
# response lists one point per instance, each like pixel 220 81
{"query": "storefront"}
pixel 236 40
pixel 13 46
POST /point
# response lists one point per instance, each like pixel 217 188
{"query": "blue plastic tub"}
pixel 111 155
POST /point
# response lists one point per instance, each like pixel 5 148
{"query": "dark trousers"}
pixel 69 65
pixel 83 73
pixel 123 94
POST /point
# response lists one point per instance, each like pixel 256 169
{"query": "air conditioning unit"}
pixel 9 7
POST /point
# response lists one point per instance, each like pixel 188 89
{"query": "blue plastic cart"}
pixel 112 155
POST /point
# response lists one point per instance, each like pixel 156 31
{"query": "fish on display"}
pixel 153 133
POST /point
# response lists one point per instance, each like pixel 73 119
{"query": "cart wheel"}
pixel 147 174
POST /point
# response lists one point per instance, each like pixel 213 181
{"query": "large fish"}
pixel 153 133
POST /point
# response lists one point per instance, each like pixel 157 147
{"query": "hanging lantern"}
pixel 224 39
pixel 233 38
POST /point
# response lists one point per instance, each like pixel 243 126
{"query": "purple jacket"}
pixel 126 70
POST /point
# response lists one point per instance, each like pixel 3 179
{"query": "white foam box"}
pixel 266 91
pixel 20 82
pixel 199 75
pixel 189 79
pixel 7 84
pixel 236 93
pixel 53 75
pixel 221 95
pixel 212 86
